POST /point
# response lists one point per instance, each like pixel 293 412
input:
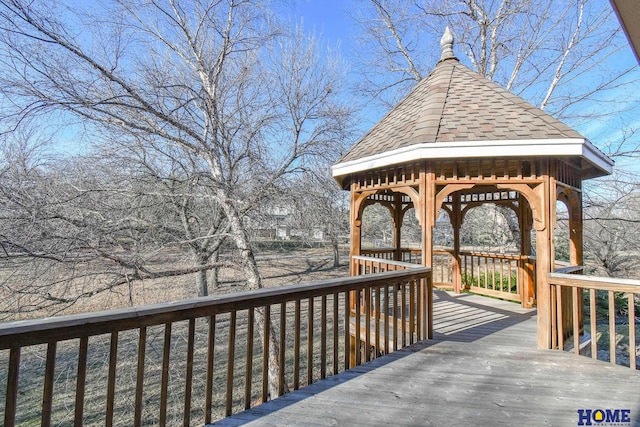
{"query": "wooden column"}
pixel 544 257
pixel 456 224
pixel 397 226
pixel 525 267
pixel 427 199
pixel 356 231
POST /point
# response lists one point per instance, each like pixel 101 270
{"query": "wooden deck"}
pixel 482 368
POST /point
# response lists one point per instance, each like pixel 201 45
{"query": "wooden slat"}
pixel 188 381
pixel 11 398
pixel 385 309
pixel 347 336
pixel 576 320
pixel 281 348
pixel 377 321
pixel 142 347
pixel 265 353
pixel 594 323
pixel 248 359
pixel 412 310
pixel 164 388
pixel 296 347
pixel 230 363
pixel 211 343
pixel 612 328
pixel 403 312
pixel 323 337
pixel 357 325
pixel 80 382
pixel 310 342
pixel 395 318
pixel 111 382
pixel 335 333
pixel 560 319
pixel 367 324
pixel 49 378
pixel 632 330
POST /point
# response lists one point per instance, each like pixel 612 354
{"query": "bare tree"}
pixel 217 79
pixel 543 51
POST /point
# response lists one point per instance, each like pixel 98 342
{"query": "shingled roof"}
pixel 454 105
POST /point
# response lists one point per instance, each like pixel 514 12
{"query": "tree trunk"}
pixel 336 252
pixel 254 281
pixel 202 285
pixel 214 278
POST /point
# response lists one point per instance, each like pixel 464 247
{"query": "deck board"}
pixel 482 368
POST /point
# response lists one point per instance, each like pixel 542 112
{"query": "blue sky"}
pixel 331 20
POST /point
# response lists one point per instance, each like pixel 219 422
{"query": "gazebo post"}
pixel 456 224
pixel 397 225
pixel 355 232
pixel 427 200
pixel 525 266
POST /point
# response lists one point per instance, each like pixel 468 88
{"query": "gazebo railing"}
pixel 205 358
pixel 492 274
pixel 595 316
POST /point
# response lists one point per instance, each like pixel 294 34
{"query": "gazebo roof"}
pixel 456 113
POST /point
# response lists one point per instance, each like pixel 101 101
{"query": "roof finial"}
pixel 446 43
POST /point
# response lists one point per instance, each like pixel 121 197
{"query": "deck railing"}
pixel 601 310
pixel 205 358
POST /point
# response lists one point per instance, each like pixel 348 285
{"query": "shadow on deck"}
pixel 482 368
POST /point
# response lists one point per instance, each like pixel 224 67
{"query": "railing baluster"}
pixel 367 324
pixel 81 381
pixel 395 317
pixel 249 359
pixel 281 348
pixel 323 337
pixel 386 319
pixel 560 317
pixel 594 324
pixel 412 311
pixel 632 330
pixel 111 382
pixel 189 372
pixel 347 332
pixel 296 347
pixel 49 377
pixel 310 342
pixel 165 374
pixel 335 333
pixel 265 353
pixel 142 347
pixel 211 342
pixel 230 363
pixel 11 399
pixel 612 328
pixel 377 322
pixel 403 312
pixel 576 320
pixel 357 326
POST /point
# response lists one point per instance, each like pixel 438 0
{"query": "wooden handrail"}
pixel 331 314
pixel 406 265
pixel 594 282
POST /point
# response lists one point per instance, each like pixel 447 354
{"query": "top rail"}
pixel 41 331
pixel 406 265
pixel 593 282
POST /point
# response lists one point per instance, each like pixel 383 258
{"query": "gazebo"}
pixel 455 142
